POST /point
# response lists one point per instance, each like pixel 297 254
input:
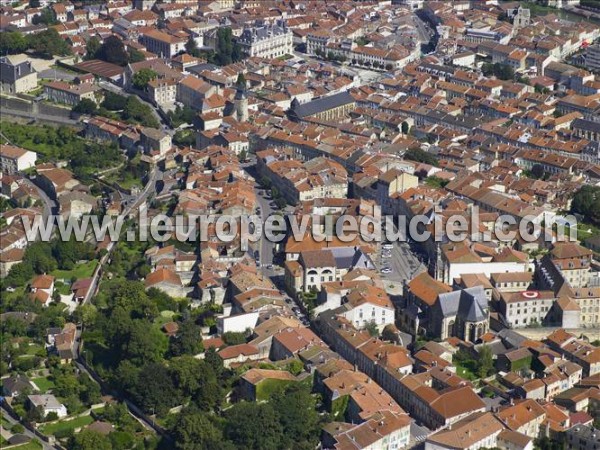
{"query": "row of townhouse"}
pixel 296 181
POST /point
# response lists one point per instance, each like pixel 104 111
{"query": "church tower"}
pixel 522 18
pixel 241 100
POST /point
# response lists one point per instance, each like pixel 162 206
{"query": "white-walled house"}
pixel 48 404
pixel 15 159
pixel 237 323
pixel 366 305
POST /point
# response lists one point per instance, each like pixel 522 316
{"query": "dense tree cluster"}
pixel 289 420
pixel 180 115
pixel 112 50
pixel 499 70
pixel 44 257
pixel 85 158
pixel 227 51
pixel 142 77
pixel 418 155
pixel 121 107
pixel 587 203
pixel 44 44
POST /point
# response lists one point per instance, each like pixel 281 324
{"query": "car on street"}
pixel 386 255
pixel 269 266
pixel 387 246
pixel 386 270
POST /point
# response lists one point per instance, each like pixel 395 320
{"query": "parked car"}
pixel 386 270
pixel 387 246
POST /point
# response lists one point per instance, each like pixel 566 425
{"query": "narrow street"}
pixel 27 432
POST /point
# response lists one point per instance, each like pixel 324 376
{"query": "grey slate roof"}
pixel 257 34
pixel 586 125
pixel 9 72
pixel 322 104
pixel 350 257
pixel 468 304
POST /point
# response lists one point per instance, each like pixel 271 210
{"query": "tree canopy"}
pixel 418 155
pixel 113 51
pixel 142 77
pixel 587 203
pixel 499 70
pixel 12 42
pixel 85 106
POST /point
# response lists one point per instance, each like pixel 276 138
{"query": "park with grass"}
pixel 81 270
pixel 64 425
pixel 43 383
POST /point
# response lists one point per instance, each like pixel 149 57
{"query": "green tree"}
pixel 137 111
pixel 296 409
pixel 241 80
pixel 142 77
pixel 195 431
pixel 485 362
pixel 226 51
pixel 405 127
pixel 144 344
pixel 90 440
pixel 85 106
pixel 501 71
pixel 121 439
pixel 390 333
pixel 34 3
pixel 371 327
pixel 85 314
pixel 19 274
pixel 114 102
pixel 184 138
pixel 537 171
pixel 46 17
pixel 586 202
pixel 113 51
pixel 418 155
pixel 12 42
pixel 191 47
pixel 154 390
pixel 295 367
pixel 48 43
pixel 546 443
pixel 234 337
pixel 91 47
pixel 188 340
pixel 253 426
pixel 214 360
pixel 17 428
pixel 186 372
pixel 135 55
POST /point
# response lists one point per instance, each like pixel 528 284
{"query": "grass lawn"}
pixel 84 270
pixel 125 180
pixel 537 9
pixel 32 445
pixel 164 317
pixel 268 387
pixel 465 371
pixel 44 383
pixel 586 231
pixel 67 425
pixel 6 424
pixel 35 349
